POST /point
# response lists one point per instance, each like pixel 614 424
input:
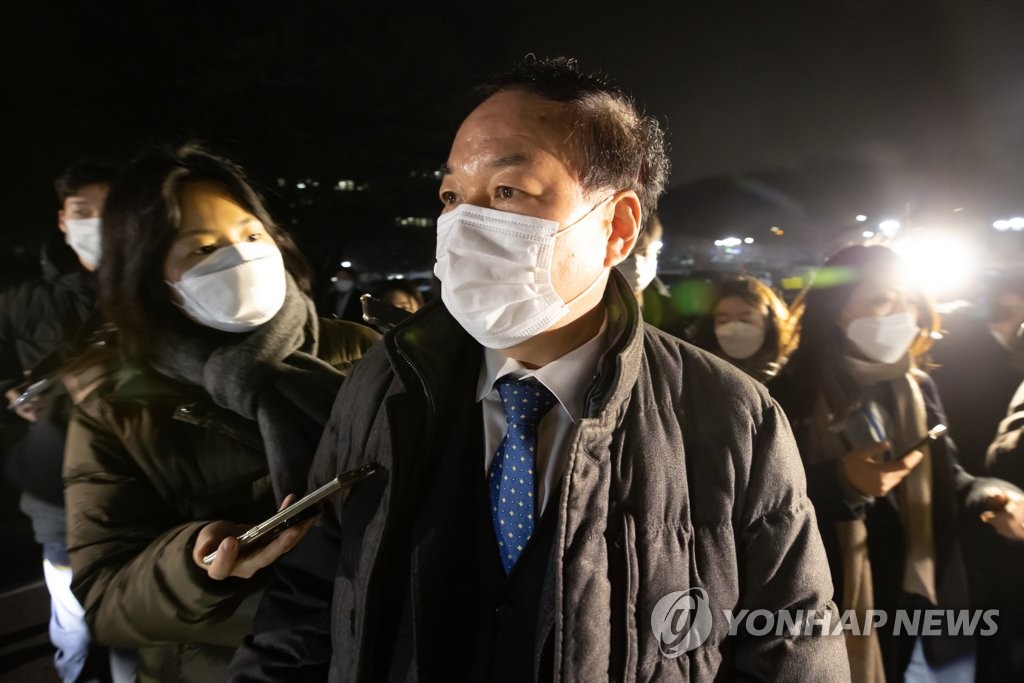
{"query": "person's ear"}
pixel 625 227
pixel 60 221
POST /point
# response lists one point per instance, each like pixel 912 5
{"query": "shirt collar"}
pixel 567 377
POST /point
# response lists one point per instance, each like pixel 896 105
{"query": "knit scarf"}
pixel 271 375
pixel 913 497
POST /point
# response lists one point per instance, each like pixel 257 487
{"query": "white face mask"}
pixel 84 237
pixel 640 270
pixel 886 338
pixel 234 289
pixel 739 340
pixel 495 272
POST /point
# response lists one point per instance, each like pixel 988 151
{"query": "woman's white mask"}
pixel 236 288
pixel 740 340
pixel 884 338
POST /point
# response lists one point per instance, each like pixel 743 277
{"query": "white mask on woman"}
pixel 885 338
pixel 495 272
pixel 236 288
pixel 739 340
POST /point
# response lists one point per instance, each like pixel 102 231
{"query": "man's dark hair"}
pixel 80 174
pixel 617 147
pixel 141 219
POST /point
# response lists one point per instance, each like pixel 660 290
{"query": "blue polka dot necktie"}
pixel 511 478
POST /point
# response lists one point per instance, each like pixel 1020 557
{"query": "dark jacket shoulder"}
pixel 715 382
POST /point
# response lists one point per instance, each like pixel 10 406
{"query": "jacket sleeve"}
pixel 11 370
pixel 291 638
pixel 131 556
pixel 970 490
pixel 1005 458
pixel 783 565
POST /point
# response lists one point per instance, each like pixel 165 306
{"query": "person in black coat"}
pixel 340 298
pixel 998 584
pixel 892 520
pixel 44 323
pixel 981 348
pixel 656 471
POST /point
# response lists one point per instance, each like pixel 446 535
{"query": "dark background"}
pixel 801 114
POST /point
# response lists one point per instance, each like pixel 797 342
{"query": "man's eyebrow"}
pixel 510 160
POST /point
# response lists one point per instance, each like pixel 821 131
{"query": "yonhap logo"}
pixel 681 621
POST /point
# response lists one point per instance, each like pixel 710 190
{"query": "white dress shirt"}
pixel 567 378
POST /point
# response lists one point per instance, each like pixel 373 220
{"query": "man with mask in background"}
pixel 340 298
pixel 44 316
pixel 42 324
pixel 641 272
pixel 641 267
pixel 554 476
pixel 979 366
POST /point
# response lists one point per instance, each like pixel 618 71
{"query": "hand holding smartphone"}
pixel 933 434
pixel 299 511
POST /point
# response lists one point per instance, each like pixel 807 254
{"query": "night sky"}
pixel 372 91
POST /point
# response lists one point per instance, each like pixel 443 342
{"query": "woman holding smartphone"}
pixel 890 513
pixel 212 405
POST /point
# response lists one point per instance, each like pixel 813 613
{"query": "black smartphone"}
pixel 298 511
pixel 934 433
pixel 377 312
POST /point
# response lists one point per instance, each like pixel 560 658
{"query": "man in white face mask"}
pixel 43 320
pixel 80 219
pixel 641 268
pixel 540 499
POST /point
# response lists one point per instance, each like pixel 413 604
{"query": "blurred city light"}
pixel 889 226
pixel 729 242
pixel 748 240
pixel 861 218
pixel 867 234
pixel 1017 223
pixel 1001 225
pixel 346 264
pixel 941 264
